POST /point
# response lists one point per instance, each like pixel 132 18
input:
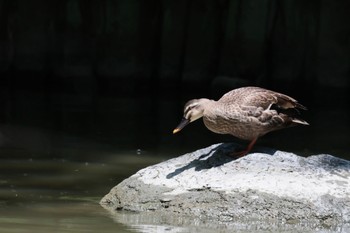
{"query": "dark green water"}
pixel 61 195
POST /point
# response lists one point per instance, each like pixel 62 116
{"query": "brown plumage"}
pixel 246 113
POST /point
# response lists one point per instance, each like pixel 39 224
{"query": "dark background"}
pixel 116 73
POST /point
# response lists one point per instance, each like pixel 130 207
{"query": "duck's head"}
pixel 193 110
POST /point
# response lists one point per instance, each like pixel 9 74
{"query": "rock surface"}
pixel 269 186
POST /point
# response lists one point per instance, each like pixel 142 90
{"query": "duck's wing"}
pixel 259 97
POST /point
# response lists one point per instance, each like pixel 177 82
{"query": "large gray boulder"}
pixel 269 186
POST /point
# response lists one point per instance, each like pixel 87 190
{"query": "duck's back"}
pixel 259 97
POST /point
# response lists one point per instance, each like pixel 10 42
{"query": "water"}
pixel 40 194
pixel 57 216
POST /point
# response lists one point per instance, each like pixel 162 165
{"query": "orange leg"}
pixel 242 153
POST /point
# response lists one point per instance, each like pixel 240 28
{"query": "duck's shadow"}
pixel 216 157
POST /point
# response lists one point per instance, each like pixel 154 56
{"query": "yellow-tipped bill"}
pixel 182 124
pixel 176 130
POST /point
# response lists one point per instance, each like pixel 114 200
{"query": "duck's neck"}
pixel 205 101
pixel 207 104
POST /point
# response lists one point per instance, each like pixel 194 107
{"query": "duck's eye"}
pixel 188 108
pixel 192 106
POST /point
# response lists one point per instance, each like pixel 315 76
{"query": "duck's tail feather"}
pixel 299 121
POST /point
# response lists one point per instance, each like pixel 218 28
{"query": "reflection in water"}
pixel 149 222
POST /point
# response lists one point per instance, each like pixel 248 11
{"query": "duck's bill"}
pixel 182 124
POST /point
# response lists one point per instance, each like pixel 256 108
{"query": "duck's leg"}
pixel 239 154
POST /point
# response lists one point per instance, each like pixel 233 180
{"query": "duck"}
pixel 246 113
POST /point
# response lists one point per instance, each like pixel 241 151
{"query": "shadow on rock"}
pixel 214 158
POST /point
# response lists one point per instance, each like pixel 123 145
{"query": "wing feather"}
pixel 259 97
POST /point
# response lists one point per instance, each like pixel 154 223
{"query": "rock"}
pixel 270 186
